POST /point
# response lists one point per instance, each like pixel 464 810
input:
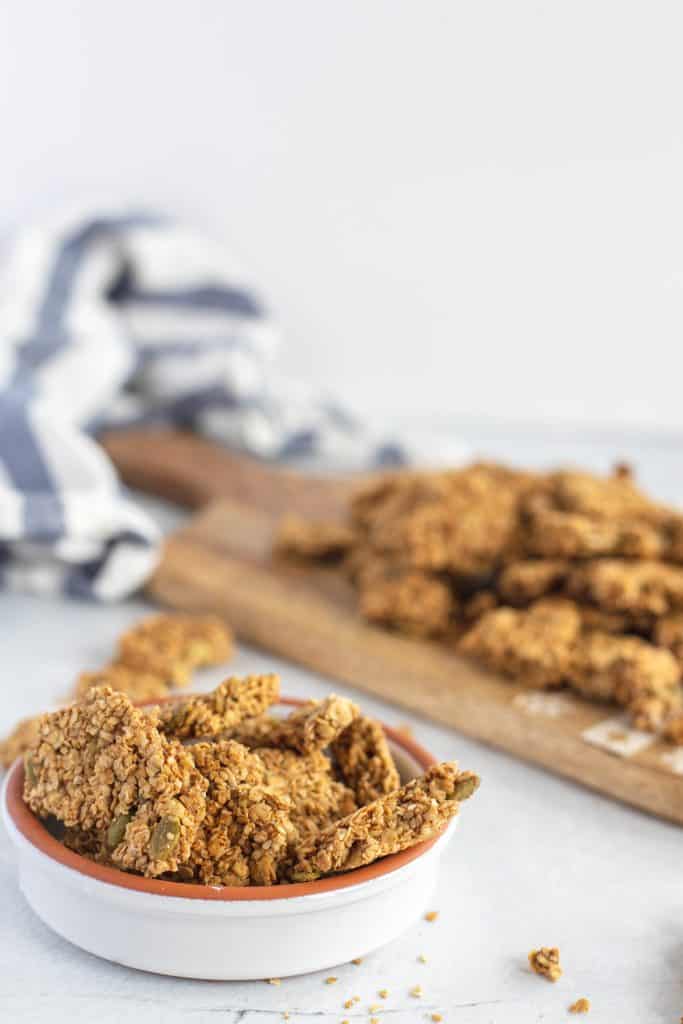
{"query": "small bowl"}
pixel 223 933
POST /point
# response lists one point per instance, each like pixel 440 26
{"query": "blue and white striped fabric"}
pixel 120 320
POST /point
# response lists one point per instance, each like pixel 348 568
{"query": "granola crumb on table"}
pixel 546 962
pixel 580 1006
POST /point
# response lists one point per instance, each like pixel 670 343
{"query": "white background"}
pixel 459 210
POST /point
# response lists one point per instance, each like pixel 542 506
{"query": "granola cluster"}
pixel 546 962
pixel 159 653
pixel 391 823
pixel 168 791
pixel 556 579
pixel 102 767
pixel 155 655
pixel 20 739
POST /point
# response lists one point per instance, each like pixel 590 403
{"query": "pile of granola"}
pixel 556 579
pixel 171 791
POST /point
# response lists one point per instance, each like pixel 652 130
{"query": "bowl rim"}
pixel 33 830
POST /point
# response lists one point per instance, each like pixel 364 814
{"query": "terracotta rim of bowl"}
pixel 35 832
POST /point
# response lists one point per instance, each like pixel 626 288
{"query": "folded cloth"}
pixel 129 319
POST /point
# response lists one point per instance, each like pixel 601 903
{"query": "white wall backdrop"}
pixel 465 209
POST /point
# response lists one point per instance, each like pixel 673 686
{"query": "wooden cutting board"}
pixel 222 562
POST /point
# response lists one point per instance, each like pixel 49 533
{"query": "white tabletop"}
pixel 536 861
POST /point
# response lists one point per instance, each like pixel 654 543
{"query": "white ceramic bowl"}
pixel 214 933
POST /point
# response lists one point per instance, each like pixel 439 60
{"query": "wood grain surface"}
pixel 222 562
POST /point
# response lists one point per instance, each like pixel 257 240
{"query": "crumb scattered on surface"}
pixel 546 962
pixel 431 915
pixel 416 991
pixel 580 1006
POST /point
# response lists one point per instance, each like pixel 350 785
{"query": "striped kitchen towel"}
pixel 129 319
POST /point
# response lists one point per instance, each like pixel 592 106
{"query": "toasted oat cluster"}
pixel 641 588
pixel 309 780
pixel 103 767
pixel 246 828
pixel 20 739
pixel 311 727
pixel 414 603
pixel 546 962
pixel 364 760
pixel 212 713
pixel 172 646
pixel 560 579
pixel 298 538
pixel 155 655
pixel 535 644
pixel 161 791
pixel 390 823
pixel 159 653
pixel 140 686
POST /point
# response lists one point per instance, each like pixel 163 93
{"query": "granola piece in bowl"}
pixel 417 811
pixel 103 763
pixel 363 757
pixel 213 713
